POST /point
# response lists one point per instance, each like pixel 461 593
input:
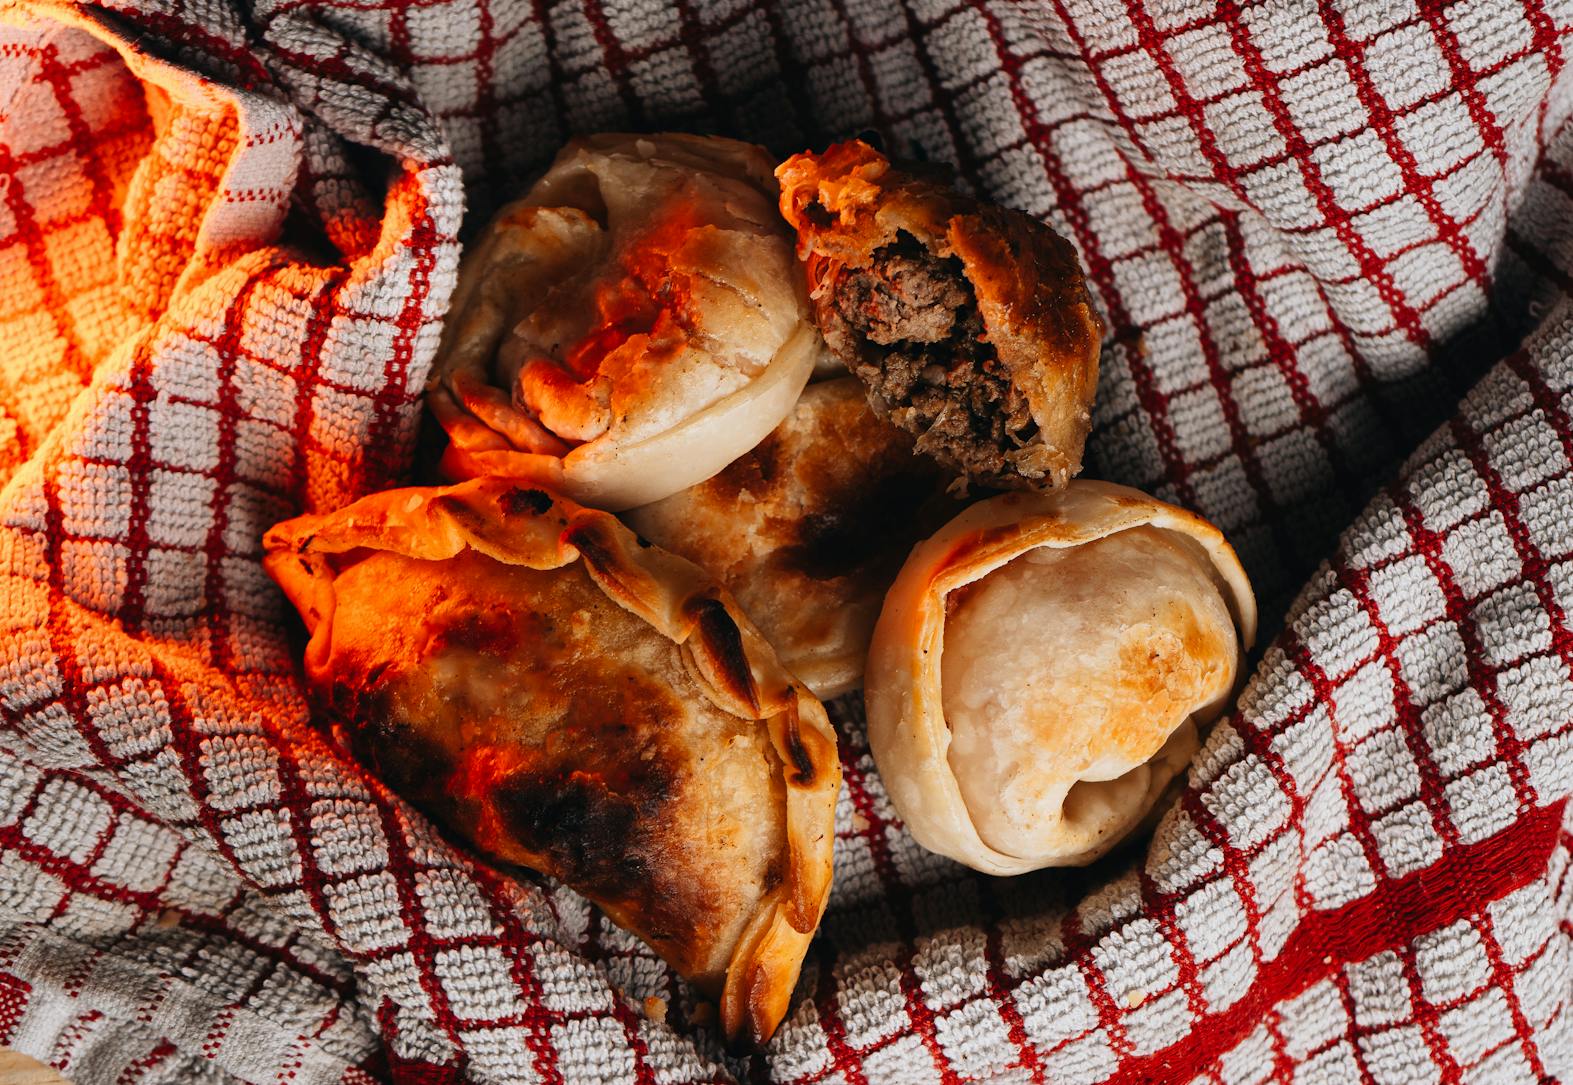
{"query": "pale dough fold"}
pixel 1044 667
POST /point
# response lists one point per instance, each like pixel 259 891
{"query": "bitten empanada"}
pixel 572 700
pixel 1044 668
pixel 630 326
pixel 808 528
pixel 969 323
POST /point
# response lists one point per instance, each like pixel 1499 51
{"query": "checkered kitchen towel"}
pixel 1332 242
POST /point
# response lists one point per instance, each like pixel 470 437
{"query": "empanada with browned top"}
pixel 808 528
pixel 969 323
pixel 572 700
pixel 630 326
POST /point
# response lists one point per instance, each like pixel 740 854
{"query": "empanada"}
pixel 808 528
pixel 1044 667
pixel 969 323
pixel 571 700
pixel 628 328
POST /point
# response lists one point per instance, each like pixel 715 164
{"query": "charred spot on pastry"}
pixel 490 631
pixel 862 529
pixel 773 876
pixel 374 676
pixel 957 597
pixel 588 833
pixel 722 642
pixel 802 760
pixel 340 698
pixel 599 821
pixel 359 699
pixel 602 558
pixel 408 758
pixel 586 537
pixel 517 501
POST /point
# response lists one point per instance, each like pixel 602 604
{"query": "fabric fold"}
pixel 227 239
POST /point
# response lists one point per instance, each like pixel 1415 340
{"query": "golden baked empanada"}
pixel 1043 668
pixel 630 326
pixel 571 700
pixel 808 528
pixel 969 323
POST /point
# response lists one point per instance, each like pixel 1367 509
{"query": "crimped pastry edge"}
pixel 908 734
pixel 498 517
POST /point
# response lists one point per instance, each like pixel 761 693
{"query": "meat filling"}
pixel 911 331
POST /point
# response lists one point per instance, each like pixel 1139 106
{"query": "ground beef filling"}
pixel 912 333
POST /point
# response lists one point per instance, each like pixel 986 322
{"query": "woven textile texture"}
pixel 1332 243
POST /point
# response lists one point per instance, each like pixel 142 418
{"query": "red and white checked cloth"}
pixel 1332 242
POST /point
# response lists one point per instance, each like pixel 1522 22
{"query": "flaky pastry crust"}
pixel 573 700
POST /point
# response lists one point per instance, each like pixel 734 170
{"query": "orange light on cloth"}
pixel 228 238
